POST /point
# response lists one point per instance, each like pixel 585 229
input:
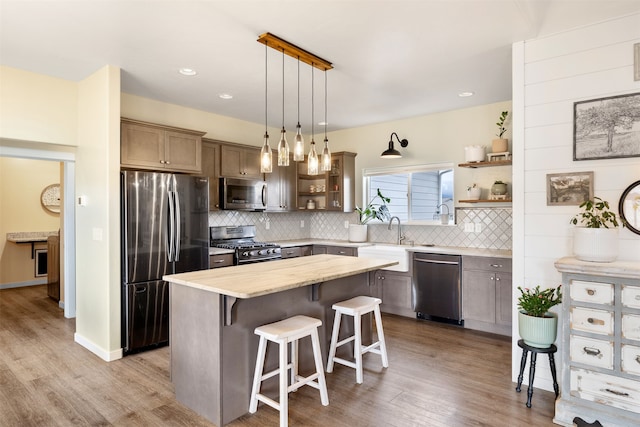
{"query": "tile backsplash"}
pixel 495 227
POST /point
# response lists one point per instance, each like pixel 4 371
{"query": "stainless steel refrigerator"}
pixel 165 230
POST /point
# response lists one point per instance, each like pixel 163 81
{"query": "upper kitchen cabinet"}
pixel 240 161
pixel 211 169
pixel 333 190
pixel 156 147
pixel 281 187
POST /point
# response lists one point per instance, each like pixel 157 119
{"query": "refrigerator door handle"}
pixel 171 238
pixel 176 210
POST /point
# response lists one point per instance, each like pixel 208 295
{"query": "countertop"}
pixel 30 236
pixel 263 278
pixel 625 269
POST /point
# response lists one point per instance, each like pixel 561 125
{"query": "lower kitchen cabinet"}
pixel 395 291
pixel 486 294
pixel 335 250
pixel 221 260
pixel 296 251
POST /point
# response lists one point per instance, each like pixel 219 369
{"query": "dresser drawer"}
pixel 602 388
pixel 593 292
pixel 631 359
pixel 631 296
pixel 631 326
pixel 591 352
pixel 590 320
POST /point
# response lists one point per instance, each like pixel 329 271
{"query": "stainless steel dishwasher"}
pixel 437 287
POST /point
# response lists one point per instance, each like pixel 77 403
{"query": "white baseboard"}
pixel 108 356
pixel 24 284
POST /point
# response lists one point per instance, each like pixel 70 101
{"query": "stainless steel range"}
pixel 241 240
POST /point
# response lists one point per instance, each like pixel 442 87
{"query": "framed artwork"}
pixel 572 188
pixel 607 128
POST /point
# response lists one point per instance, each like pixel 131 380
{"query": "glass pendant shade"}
pixel 326 156
pixel 298 146
pixel 312 167
pixel 266 165
pixel 283 150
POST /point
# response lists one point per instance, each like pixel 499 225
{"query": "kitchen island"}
pixel 213 314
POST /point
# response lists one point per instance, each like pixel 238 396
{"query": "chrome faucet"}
pixel 400 236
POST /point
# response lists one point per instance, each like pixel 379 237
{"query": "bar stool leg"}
pixel 257 376
pixel 294 362
pixel 357 348
pixel 523 363
pixel 383 345
pixel 334 341
pixel 284 401
pixel 552 364
pixel 532 374
pixel 317 356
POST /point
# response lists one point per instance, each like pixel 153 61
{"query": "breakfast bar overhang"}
pixel 213 314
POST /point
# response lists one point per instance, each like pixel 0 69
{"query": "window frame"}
pixel 407 169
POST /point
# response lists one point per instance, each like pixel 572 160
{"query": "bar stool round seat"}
pixel 287 331
pixel 357 307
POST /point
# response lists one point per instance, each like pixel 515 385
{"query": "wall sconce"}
pixel 392 153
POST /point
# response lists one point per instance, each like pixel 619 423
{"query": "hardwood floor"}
pixel 438 375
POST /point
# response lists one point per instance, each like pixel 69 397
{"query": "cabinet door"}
pixel 320 249
pixel 210 169
pixel 503 298
pixel 142 146
pixel 183 152
pixel 221 260
pixel 306 250
pixel 395 291
pixel 251 163
pixel 231 161
pixel 478 295
pixel 293 252
pixel 274 193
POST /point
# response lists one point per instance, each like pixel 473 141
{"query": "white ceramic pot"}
pixel 595 244
pixel 474 193
pixel 357 232
pixel 538 332
pixel 474 153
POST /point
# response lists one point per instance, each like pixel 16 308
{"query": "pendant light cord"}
pixel 325 104
pixel 283 89
pixel 312 103
pixel 266 87
pixel 298 91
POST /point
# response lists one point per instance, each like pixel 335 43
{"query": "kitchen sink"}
pixel 387 252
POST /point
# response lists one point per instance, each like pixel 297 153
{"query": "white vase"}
pixel 474 153
pixel 538 332
pixel 595 244
pixel 474 193
pixel 357 232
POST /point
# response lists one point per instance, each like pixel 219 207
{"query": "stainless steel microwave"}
pixel 243 194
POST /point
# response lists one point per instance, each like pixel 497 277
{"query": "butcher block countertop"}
pixel 263 278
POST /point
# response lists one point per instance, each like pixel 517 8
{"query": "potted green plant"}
pixel 499 188
pixel 537 325
pixel 595 237
pixel 501 145
pixel 375 209
pixel 473 192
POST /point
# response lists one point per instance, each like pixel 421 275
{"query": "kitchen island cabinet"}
pixel 394 288
pixel 214 313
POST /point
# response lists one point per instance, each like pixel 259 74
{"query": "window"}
pixel 417 193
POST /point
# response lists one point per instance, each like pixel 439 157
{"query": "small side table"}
pixel 532 368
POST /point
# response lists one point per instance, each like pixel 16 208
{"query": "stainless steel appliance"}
pixel 165 219
pixel 243 194
pixel 241 240
pixel 437 287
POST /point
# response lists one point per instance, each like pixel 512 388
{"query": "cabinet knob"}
pixel 497 279
pixel 162 162
pixel 218 261
pixel 595 321
pixel 496 265
pixel 167 163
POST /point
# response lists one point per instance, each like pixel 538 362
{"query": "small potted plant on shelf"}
pixel 373 210
pixel 499 188
pixel 473 192
pixel 536 324
pixel 596 236
pixel 501 145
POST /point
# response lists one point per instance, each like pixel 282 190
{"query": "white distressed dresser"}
pixel 600 337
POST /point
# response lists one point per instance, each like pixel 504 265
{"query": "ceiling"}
pixel 392 59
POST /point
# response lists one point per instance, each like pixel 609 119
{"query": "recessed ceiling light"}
pixel 225 96
pixel 465 94
pixel 187 71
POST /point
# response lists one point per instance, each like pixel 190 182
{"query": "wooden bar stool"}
pixel 284 332
pixel 357 307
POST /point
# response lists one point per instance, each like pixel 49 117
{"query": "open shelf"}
pixel 485 164
pixel 486 201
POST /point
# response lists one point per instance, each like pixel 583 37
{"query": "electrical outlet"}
pixel 302 223
pixel 468 227
pixel 267 225
pixel 478 227
pixel 346 224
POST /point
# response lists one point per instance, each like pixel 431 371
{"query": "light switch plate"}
pixel 478 227
pixel 302 223
pixel 468 227
pixel 346 224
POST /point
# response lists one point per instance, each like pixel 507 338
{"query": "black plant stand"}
pixel 532 368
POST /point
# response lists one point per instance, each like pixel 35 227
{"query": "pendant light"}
pixel 265 153
pixel 298 147
pixel 283 145
pixel 312 166
pixel 326 154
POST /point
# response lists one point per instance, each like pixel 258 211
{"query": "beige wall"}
pixel 21 183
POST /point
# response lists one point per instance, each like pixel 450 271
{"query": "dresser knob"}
pixel 591 351
pixel 616 392
pixel 591 292
pixel 595 321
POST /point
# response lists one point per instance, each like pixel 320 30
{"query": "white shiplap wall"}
pixel 550 74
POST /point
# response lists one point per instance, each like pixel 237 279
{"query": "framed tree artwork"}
pixel 607 128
